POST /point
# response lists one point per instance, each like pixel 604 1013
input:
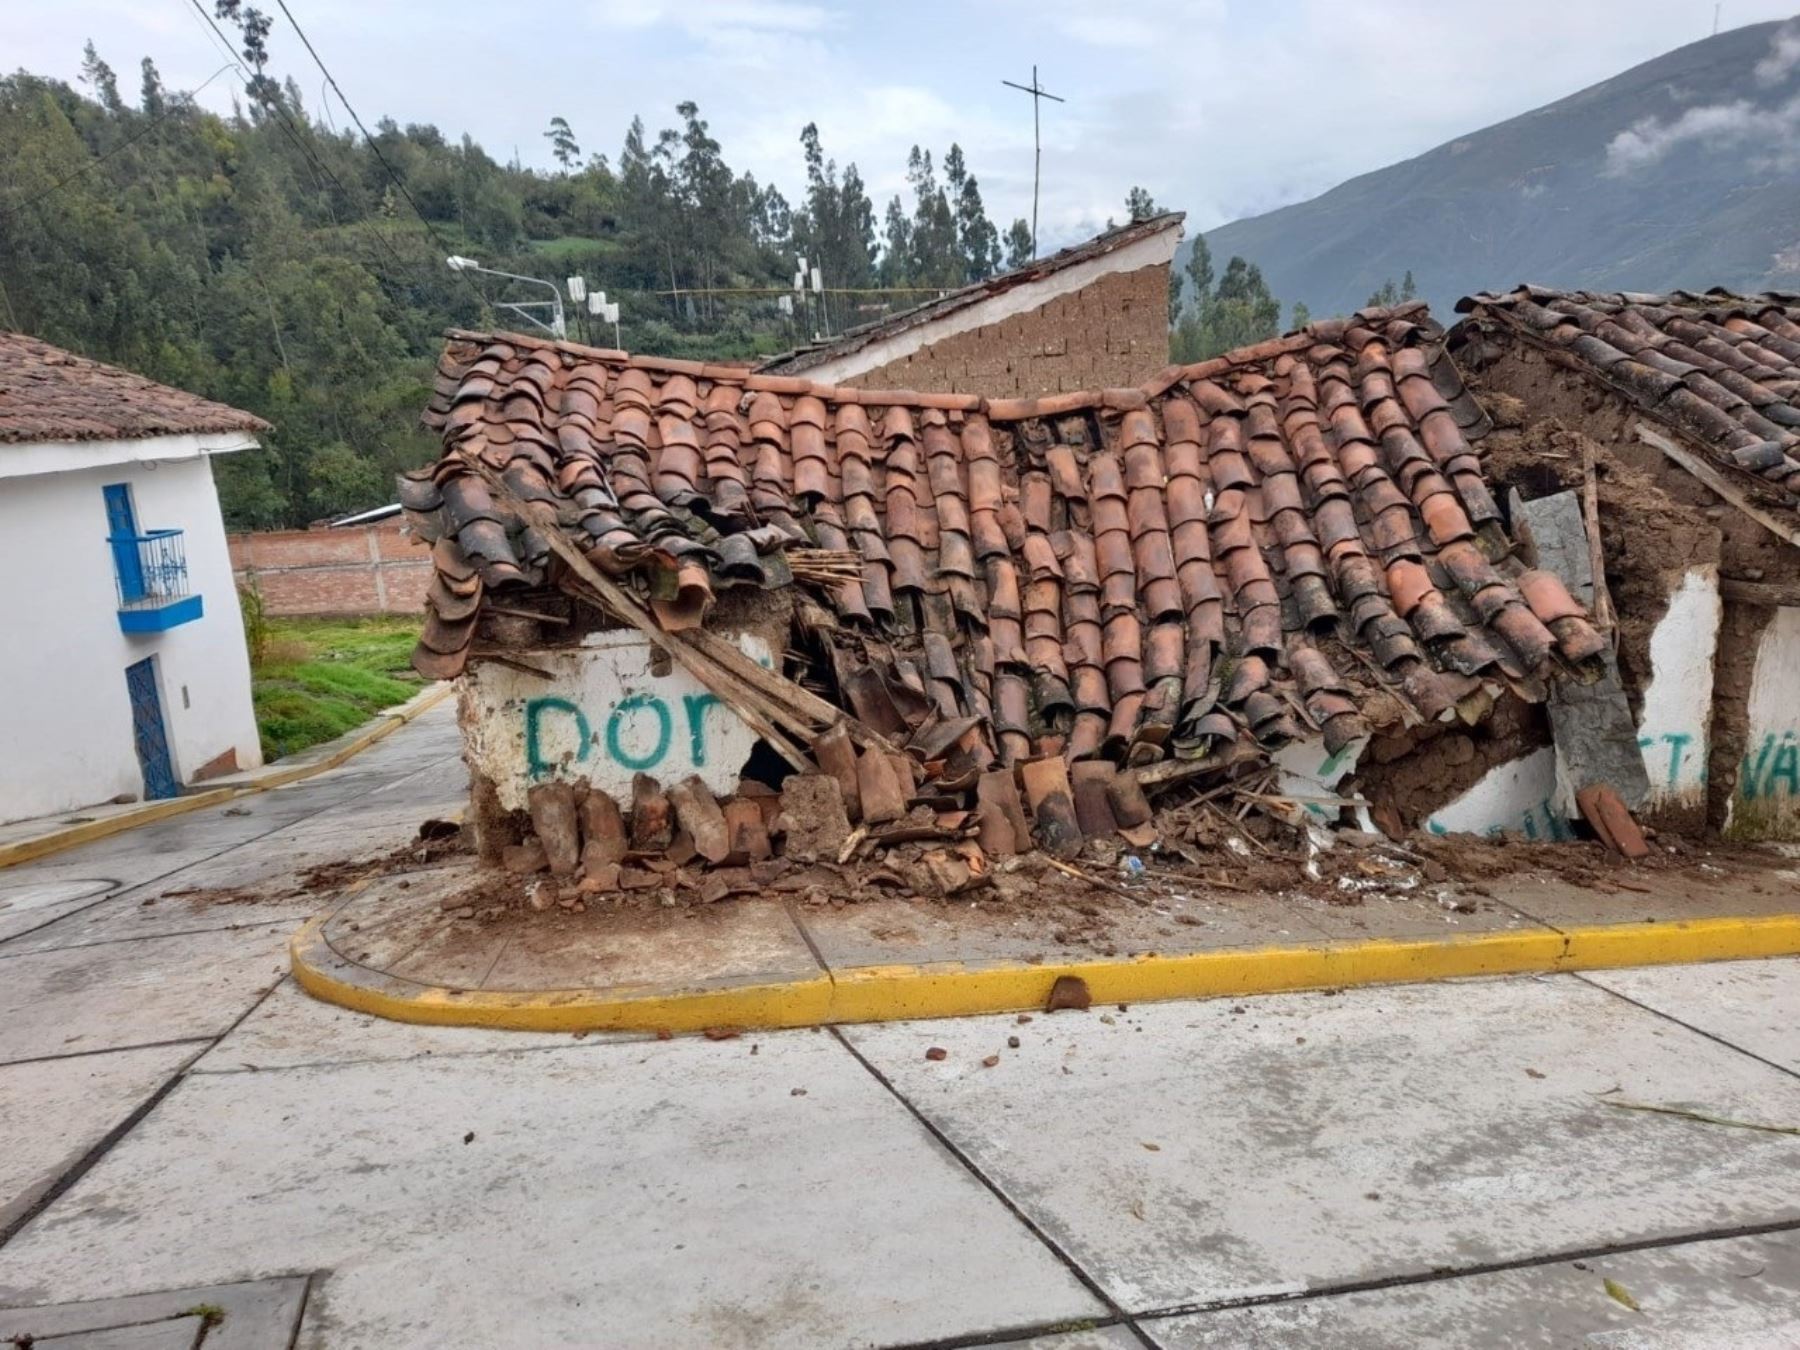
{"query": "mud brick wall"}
pixel 372 569
pixel 1112 333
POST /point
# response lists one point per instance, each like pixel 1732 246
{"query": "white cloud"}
pixel 701 18
pixel 1219 107
pixel 1769 136
pixel 1784 55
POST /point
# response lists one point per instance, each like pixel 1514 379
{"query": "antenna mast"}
pixel 1038 94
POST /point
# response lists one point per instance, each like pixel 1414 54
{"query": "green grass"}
pixel 573 246
pixel 322 677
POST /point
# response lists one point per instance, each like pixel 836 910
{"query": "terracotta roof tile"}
pixel 1720 370
pixel 1249 546
pixel 48 394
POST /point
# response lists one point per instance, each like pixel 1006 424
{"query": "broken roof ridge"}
pixel 1718 369
pixel 1118 399
pixel 1700 299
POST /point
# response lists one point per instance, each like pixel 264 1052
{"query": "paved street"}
pixel 1449 1165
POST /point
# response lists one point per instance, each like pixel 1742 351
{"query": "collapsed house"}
pixel 1682 413
pixel 719 613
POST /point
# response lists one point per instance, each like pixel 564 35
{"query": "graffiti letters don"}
pixel 603 717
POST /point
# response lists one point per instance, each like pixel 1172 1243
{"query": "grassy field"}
pixel 318 678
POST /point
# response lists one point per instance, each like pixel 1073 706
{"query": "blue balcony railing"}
pixel 151 573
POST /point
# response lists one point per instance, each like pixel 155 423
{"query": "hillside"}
pixel 1681 172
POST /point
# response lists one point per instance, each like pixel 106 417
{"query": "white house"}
pixel 124 670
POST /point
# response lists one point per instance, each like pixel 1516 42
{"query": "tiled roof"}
pixel 1722 369
pixel 1295 536
pixel 48 394
pixel 855 339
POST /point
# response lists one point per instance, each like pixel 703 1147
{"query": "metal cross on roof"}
pixel 1038 94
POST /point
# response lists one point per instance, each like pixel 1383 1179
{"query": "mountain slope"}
pixel 1681 172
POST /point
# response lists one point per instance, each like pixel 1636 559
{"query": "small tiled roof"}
pixel 48 394
pixel 854 340
pixel 1295 536
pixel 1723 370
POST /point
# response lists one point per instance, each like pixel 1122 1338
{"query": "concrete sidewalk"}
pixel 1448 1165
pixel 25 840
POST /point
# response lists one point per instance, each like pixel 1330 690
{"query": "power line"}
pixel 156 122
pixel 320 169
pixel 789 290
pixel 400 183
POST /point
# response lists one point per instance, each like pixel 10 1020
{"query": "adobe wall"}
pixel 1111 333
pixel 370 569
pixel 1669 543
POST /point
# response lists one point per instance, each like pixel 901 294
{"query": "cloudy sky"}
pixel 1221 107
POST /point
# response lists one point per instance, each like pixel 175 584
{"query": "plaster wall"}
pixel 1765 804
pixel 604 716
pixel 1674 727
pixel 1517 797
pixel 65 716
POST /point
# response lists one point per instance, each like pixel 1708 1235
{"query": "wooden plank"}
pixel 1759 593
pixel 1707 474
pixel 1590 519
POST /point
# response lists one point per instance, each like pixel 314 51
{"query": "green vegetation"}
pixel 1207 318
pixel 1388 294
pixel 318 678
pixel 276 264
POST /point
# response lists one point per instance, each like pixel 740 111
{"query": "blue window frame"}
pixel 150 567
pixel 121 529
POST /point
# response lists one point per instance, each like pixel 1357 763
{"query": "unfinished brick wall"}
pixel 1111 333
pixel 372 569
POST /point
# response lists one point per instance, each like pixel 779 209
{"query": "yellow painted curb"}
pixel 24 850
pixel 954 989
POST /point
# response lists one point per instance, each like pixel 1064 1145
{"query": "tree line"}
pixel 275 262
pixel 282 264
pixel 1210 314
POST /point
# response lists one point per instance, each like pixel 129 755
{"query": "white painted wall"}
pixel 1766 801
pixel 1519 796
pixel 1677 718
pixel 65 718
pixel 1308 770
pixel 602 718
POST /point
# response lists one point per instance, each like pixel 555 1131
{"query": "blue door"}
pixel 121 529
pixel 147 730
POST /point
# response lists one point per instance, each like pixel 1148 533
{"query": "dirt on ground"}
pixel 1204 851
pixel 438 841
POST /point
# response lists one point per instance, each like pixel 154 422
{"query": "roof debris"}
pixel 1721 370
pixel 1006 608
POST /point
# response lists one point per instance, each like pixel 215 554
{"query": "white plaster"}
pixel 1766 801
pixel 1154 251
pixel 65 717
pixel 1519 796
pixel 630 720
pixel 1677 718
pixel 39 457
pixel 1308 770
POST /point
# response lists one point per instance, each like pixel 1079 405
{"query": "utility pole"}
pixel 1038 94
